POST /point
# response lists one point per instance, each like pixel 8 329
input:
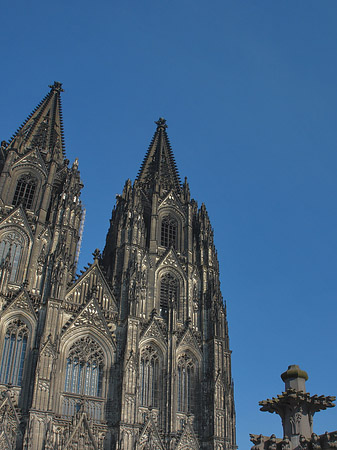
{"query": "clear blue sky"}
pixel 249 92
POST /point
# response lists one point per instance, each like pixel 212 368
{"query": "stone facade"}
pixel 134 352
pixel 296 407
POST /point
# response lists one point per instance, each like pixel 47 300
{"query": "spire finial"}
pixel 96 255
pixel 57 86
pixel 161 123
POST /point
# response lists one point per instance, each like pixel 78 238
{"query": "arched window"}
pixel 11 247
pixel 186 374
pixel 13 353
pixel 85 368
pixel 168 292
pixel 149 377
pixel 169 228
pixel 24 192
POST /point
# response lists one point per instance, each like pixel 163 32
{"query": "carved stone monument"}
pixel 296 407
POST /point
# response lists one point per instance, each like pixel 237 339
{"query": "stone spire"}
pixel 159 165
pixel 296 408
pixel 43 128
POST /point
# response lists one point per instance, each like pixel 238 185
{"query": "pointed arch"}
pixel 14 352
pixel 15 243
pixel 84 369
pixel 74 334
pixel 177 298
pixel 169 293
pixel 150 363
pixel 170 226
pixel 25 191
pixel 11 249
pixel 169 231
pixel 83 381
pixel 87 356
pixel 23 187
pixel 188 367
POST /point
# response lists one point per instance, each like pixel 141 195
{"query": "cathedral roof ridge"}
pixel 87 270
pixel 43 127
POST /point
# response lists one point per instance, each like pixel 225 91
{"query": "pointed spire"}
pixel 159 165
pixel 43 128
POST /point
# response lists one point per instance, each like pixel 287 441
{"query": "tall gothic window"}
pixel 84 369
pixel 11 247
pixel 13 353
pixel 169 227
pixel 24 192
pixel 186 374
pixel 168 292
pixel 149 377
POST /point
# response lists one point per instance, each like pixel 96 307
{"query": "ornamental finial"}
pixel 161 123
pixel 57 86
pixel 96 255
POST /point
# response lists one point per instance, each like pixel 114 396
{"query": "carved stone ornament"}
pixel 258 440
pixel 149 438
pixel 32 159
pixel 303 444
pixel 272 444
pixel 9 422
pixel 315 442
pixel 331 439
pixel 190 340
pixel 171 200
pixel 154 331
pixel 43 385
pixel 80 435
pixel 90 316
pixel 170 259
pixel 285 444
pixel 295 421
pixel 188 439
pixel 22 302
pixel 16 218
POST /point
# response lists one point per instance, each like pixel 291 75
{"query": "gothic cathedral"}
pixel 132 354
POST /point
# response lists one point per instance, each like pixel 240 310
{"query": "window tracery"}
pixel 149 377
pixel 169 228
pixel 11 247
pixel 24 192
pixel 84 371
pixel 169 291
pixel 13 353
pixel 186 374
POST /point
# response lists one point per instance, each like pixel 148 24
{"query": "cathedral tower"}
pixel 134 352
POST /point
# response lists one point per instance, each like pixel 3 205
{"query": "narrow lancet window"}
pixel 24 192
pixel 169 227
pixel 11 247
pixel 168 293
pixel 13 353
pixel 186 374
pixel 149 377
pixel 84 368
